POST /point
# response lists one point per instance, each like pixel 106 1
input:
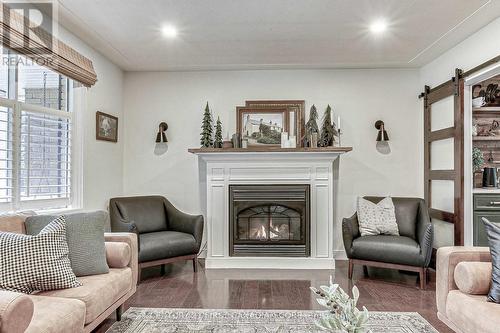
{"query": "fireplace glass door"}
pixel 269 223
pixel 269 220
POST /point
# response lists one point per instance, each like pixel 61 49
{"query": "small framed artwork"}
pixel 106 127
pixel 261 127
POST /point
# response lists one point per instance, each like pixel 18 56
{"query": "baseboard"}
pixel 270 263
pixel 339 255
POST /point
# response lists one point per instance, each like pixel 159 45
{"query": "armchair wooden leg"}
pixel 162 270
pixel 423 278
pixel 119 311
pixel 350 269
pixel 365 270
pixel 195 264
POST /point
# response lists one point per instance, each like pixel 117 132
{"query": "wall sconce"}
pixel 162 136
pixel 382 138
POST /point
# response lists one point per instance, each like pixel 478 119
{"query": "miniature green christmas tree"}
pixel 311 125
pixel 218 134
pixel 327 130
pixel 207 129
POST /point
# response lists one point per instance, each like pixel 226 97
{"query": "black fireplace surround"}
pixel 269 221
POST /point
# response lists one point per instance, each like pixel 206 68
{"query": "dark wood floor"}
pixel 381 290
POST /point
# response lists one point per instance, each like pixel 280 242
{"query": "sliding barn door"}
pixel 443 159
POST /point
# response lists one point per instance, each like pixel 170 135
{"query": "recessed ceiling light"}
pixel 378 26
pixel 169 31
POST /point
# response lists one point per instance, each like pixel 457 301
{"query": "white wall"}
pixel 473 51
pixel 359 96
pixel 102 160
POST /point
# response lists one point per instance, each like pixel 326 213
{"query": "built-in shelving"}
pixel 485 138
pixel 489 110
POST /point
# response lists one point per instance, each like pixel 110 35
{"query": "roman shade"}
pixel 43 48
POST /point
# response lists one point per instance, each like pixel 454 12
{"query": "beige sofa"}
pixel 463 277
pixel 76 309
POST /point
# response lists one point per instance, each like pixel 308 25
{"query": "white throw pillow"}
pixel 376 219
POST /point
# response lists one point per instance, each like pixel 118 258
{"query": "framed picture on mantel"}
pixel 261 127
pixel 295 114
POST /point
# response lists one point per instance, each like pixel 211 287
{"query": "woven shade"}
pixel 59 57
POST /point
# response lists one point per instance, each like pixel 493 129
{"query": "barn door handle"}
pixel 494 203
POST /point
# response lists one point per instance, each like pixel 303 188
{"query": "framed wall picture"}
pixel 261 127
pixel 106 127
pixel 295 114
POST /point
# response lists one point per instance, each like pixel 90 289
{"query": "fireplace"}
pixel 269 220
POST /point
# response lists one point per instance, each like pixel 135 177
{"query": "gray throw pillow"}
pixel 493 231
pixel 85 236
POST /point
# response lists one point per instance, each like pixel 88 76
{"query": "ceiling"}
pixel 260 34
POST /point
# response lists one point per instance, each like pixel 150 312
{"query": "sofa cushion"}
pixel 118 254
pixel 56 315
pixel 39 262
pixel 377 218
pixel 14 222
pixel 407 212
pixel 385 248
pixel 473 277
pixel 493 231
pixel 472 313
pixel 165 244
pixel 98 292
pixel 85 235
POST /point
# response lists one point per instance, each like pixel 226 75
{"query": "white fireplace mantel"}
pixel 315 167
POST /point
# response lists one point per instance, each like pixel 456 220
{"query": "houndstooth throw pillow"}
pixel 376 219
pixel 30 263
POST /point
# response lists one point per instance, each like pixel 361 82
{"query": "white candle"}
pixel 338 122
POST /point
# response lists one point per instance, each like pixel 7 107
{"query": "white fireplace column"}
pixel 314 168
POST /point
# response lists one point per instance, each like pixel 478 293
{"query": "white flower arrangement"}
pixel 344 316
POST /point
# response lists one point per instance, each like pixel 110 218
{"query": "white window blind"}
pixel 5 155
pixel 35 164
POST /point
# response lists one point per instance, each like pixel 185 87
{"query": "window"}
pixel 36 125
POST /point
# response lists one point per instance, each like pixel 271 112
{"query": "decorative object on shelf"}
pixel 314 140
pixel 227 144
pixel 490 177
pixel 311 127
pixel 487 127
pixel 343 315
pixel 261 127
pixel 207 130
pixel 327 129
pixel 292 141
pixel 489 96
pixel 236 138
pixel 477 159
pixel 218 134
pixel 284 139
pixel 478 102
pixel 338 132
pixel 161 136
pixel 382 138
pixel 244 143
pixel 106 127
pixel 295 114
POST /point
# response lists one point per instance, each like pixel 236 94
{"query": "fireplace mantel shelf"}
pixel 267 150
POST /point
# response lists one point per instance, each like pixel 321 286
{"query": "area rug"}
pixel 153 320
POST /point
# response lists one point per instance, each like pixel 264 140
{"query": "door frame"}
pixel 471 78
